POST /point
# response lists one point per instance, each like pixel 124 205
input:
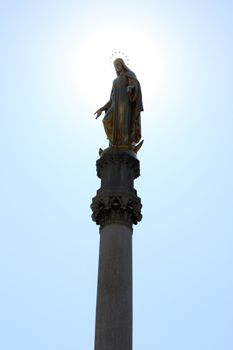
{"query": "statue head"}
pixel 120 65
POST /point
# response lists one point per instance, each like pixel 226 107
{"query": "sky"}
pixel 55 73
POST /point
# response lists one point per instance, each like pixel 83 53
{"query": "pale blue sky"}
pixel 54 74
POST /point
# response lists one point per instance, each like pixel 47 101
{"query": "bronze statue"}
pixel 122 121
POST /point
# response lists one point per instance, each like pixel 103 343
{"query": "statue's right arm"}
pixel 105 107
pixel 102 109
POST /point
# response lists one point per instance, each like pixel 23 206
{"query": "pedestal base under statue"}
pixel 116 208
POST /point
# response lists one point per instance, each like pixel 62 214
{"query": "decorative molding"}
pixel 118 158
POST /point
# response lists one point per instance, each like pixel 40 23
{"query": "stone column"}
pixel 116 208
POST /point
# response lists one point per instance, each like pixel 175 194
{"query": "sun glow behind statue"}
pixel 93 66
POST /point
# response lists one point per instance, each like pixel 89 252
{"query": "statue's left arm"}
pixel 134 89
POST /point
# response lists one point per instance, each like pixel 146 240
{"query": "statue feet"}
pixel 133 148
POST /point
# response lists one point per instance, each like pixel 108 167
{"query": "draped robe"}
pixel 122 121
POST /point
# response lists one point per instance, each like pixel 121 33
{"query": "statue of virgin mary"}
pixel 122 120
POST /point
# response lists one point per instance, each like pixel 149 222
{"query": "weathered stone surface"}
pixel 114 296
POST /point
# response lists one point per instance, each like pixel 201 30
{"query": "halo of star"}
pixel 119 54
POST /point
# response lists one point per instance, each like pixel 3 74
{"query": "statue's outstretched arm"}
pixel 102 109
pixel 105 107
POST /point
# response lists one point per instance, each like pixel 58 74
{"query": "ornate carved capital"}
pixel 124 208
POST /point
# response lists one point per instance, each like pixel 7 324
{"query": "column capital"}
pixel 116 207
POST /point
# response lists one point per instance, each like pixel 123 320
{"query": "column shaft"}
pixel 114 292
